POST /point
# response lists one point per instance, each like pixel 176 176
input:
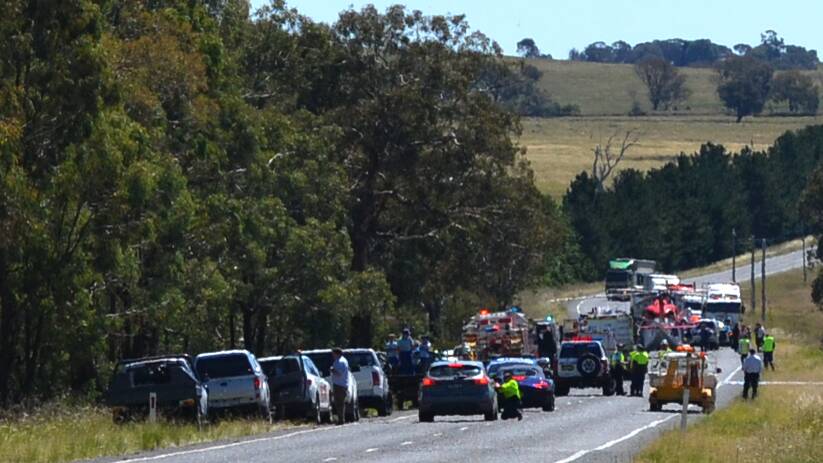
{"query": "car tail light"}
pixel 542 385
pixel 455 365
pixel 481 381
pixel 428 382
pixel 256 384
pixel 375 378
pixel 518 378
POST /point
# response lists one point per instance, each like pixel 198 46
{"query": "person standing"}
pixel 618 363
pixel 768 351
pixel 752 367
pixel 735 335
pixel 639 364
pixel 425 350
pixel 340 383
pixel 392 352
pixel 743 347
pixel 405 346
pixel 759 334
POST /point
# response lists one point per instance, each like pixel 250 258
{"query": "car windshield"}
pixel 578 349
pixel 617 276
pixel 722 307
pixel 323 361
pixel 364 359
pixel 280 367
pixel 454 370
pixel 223 366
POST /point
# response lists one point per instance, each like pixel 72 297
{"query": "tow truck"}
pixel 507 333
pixel 684 368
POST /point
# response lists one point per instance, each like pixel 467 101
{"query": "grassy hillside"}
pixel 560 148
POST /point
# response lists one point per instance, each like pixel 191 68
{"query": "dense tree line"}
pixel 176 176
pixel 683 214
pixel 700 53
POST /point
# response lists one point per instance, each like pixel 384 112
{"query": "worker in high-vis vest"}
pixel 768 351
pixel 618 367
pixel 639 364
pixel 743 347
pixel 510 391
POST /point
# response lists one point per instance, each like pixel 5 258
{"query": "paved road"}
pixel 586 427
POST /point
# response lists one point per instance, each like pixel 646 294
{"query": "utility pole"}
pixel 763 282
pixel 803 240
pixel 734 255
pixel 684 410
pixel 754 291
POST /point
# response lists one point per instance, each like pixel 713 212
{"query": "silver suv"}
pixel 583 364
pixel 234 380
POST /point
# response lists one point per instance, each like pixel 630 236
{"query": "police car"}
pixel 583 363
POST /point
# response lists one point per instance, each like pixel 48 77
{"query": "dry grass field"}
pixel 560 148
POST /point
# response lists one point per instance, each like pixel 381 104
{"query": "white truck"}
pixel 602 324
pixel 658 282
pixel 723 302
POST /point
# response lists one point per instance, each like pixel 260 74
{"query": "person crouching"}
pixel 510 391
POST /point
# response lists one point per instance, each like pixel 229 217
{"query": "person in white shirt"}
pixel 340 383
pixel 405 346
pixel 752 367
pixel 393 351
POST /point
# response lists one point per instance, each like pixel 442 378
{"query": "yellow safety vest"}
pixel 642 358
pixel 768 344
pixel 510 389
pixel 617 358
pixel 743 346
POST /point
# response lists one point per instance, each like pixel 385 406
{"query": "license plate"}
pixel 567 367
pixel 454 387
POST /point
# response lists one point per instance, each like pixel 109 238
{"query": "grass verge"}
pixel 785 424
pixel 66 433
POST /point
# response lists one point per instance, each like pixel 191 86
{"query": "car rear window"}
pixel 224 366
pixel 364 359
pixel 280 367
pixel 578 349
pixel 323 361
pixel 450 371
pixel 521 371
pixel 151 374
pixel 496 367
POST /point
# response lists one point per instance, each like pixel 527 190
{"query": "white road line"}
pixel 227 446
pixel 464 428
pixel 438 434
pixel 628 436
pixel 395 420
pixel 371 450
pixel 330 459
pixel 729 377
pixel 781 383
pixel 408 442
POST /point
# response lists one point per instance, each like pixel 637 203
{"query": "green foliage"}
pixel 666 86
pixel 683 213
pixel 177 177
pixel 744 85
pixel 796 89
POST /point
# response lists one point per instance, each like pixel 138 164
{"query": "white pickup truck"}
pixel 372 382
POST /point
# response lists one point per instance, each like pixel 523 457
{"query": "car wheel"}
pixel 561 390
pixel 655 406
pixel 549 405
pixel 491 415
pixel 425 417
pixel 265 413
pixel 588 365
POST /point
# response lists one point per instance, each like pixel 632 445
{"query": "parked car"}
pixel 372 383
pixel 457 388
pixel 171 378
pixel 234 380
pixel 323 359
pixel 297 388
pixel 583 364
pixel 536 389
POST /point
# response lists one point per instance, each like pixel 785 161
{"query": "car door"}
pixel 321 385
pixel 229 377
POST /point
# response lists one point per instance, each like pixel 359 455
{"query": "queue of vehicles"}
pixel 546 359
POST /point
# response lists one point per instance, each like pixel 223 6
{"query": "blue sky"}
pixel 559 25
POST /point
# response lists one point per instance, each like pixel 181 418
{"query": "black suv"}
pixel 171 378
pixel 583 364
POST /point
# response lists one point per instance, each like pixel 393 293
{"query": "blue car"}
pixel 536 389
pixel 495 365
pixel 457 388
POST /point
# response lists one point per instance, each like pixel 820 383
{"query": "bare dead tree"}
pixel 608 156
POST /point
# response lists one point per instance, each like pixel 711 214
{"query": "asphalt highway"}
pixel 586 427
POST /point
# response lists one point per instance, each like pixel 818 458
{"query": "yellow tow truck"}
pixel 674 371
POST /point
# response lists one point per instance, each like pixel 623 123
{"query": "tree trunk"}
pixel 8 330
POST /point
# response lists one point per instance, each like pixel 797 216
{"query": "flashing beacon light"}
pixel 485 311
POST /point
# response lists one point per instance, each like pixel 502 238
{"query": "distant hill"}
pixel 609 89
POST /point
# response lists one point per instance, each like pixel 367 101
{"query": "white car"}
pixel 372 383
pixel 323 359
pixel 298 388
pixel 235 380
